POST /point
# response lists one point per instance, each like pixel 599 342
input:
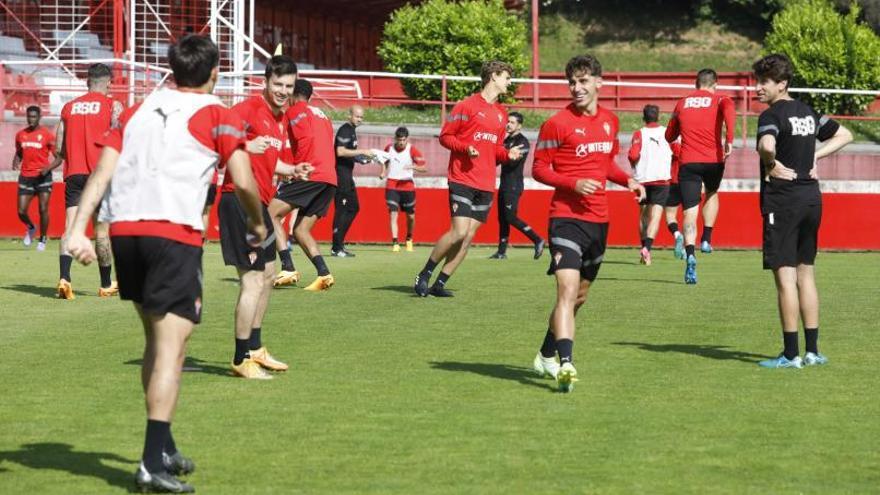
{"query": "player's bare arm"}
pixel 587 186
pixel 772 166
pixel 239 166
pixel 300 171
pixel 515 153
pixel 116 112
pixel 16 160
pixel 60 151
pixel 343 152
pixel 840 139
pixel 634 186
pixel 257 145
pixel 78 244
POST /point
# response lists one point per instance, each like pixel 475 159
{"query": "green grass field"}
pixel 390 394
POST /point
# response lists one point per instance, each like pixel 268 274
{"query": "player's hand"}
pixel 587 186
pixel 472 152
pixel 256 233
pixel 303 171
pixel 80 247
pixel 728 149
pixel 45 170
pixel 515 153
pixel 781 172
pixel 637 188
pixel 814 172
pixel 381 176
pixel 257 145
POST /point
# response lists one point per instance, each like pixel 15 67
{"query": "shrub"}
pixel 451 38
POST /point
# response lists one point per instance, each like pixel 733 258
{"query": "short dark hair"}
pixel 706 78
pixel 583 63
pixel 280 65
pixel 303 88
pixel 651 113
pixel 97 72
pixel 494 67
pixel 33 108
pixel 776 67
pixel 401 132
pixel 192 59
pixel 518 116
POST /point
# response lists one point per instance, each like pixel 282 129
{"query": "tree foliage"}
pixel 828 50
pixel 451 38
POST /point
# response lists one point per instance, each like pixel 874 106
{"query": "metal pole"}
pixel 443 100
pixel 535 56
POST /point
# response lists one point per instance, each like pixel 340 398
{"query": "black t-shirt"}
pixel 796 127
pixel 512 172
pixel 346 137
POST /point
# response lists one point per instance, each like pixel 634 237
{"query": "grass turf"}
pixel 388 393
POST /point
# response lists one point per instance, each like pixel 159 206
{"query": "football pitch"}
pixel 392 394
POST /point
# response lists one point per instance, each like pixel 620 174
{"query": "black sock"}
pixel 170 446
pixel 441 280
pixel 649 243
pixel 154 441
pixel 256 341
pixel 812 338
pixel 320 266
pixel 790 340
pixel 564 347
pixel 66 261
pixel 394 240
pixel 241 351
pixel 644 242
pixel 689 249
pixel 286 261
pixel 428 269
pixel 502 246
pixel 26 219
pixel 105 276
pixel 673 227
pixel 43 239
pixel 548 348
pixel 707 235
pixel 409 237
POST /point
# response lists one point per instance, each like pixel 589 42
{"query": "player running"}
pixel 346 198
pixel 510 190
pixel 791 203
pixel 311 141
pixel 698 118
pixel 84 121
pixel 33 144
pixel 156 169
pixel 474 135
pixel 400 188
pixel 264 123
pixel 651 158
pixel 575 154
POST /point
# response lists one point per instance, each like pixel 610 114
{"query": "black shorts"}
pixel 237 251
pixel 161 275
pixel 212 196
pixel 465 201
pixel 404 201
pixel 73 188
pixel 692 177
pixel 312 198
pixel 674 197
pixel 656 195
pixel 577 245
pixel 791 236
pixel 29 186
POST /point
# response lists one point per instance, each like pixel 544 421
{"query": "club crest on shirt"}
pixel 39 137
pixel 607 128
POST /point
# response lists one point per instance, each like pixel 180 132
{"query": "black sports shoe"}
pixel 498 256
pixel 163 482
pixel 438 291
pixel 539 248
pixel 341 253
pixel 178 464
pixel 421 286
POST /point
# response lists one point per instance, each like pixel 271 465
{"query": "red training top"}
pixel 86 119
pixel 697 118
pixel 573 146
pixel 259 121
pixel 311 140
pixel 475 122
pixel 34 147
pixel 202 126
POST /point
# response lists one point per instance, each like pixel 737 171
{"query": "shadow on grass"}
pixel 647 280
pixel 195 365
pixel 619 262
pixel 62 457
pixel 525 376
pixel 42 291
pixel 720 352
pixel 403 289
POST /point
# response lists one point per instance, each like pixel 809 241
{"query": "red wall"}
pixel 848 219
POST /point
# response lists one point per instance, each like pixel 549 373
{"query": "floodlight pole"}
pixel 535 57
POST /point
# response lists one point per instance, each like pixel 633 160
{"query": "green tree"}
pixel 451 38
pixel 828 50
